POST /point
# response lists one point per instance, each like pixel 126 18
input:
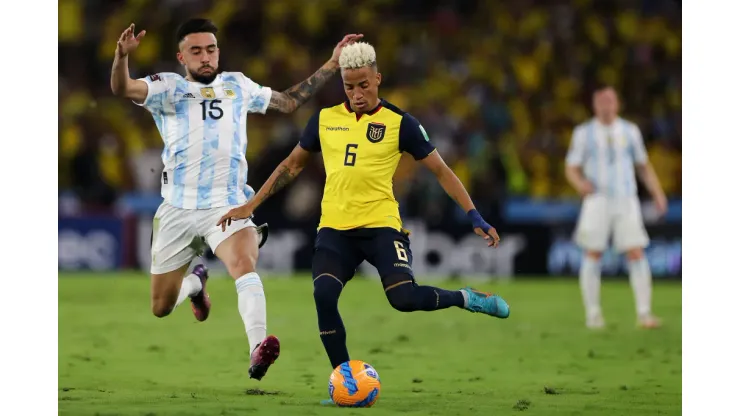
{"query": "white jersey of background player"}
pixel 601 163
pixel 202 118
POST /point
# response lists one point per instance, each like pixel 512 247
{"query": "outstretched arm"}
pixel 414 140
pixel 449 181
pixel 455 189
pixel 295 96
pixel 284 174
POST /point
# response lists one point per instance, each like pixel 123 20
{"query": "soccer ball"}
pixel 354 383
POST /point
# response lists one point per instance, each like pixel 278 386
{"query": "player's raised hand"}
pixel 238 213
pixel 484 229
pixel 127 43
pixel 491 236
pixel 347 40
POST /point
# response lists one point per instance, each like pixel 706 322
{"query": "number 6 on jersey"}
pixel 349 157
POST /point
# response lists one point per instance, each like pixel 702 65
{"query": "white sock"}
pixel 590 279
pixel 465 298
pixel 191 285
pixel 641 280
pixel 252 308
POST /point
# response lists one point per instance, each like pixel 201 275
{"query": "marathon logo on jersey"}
pixel 337 128
pixel 375 132
pixel 155 77
pixel 208 93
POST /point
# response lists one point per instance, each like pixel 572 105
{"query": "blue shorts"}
pixel 341 252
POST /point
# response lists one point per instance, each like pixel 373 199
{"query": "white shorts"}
pixel 602 217
pixel 178 234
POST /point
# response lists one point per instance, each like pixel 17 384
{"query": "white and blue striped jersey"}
pixel 607 155
pixel 204 130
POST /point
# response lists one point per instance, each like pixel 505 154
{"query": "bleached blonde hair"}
pixel 357 55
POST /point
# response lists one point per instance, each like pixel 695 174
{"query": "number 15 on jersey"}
pixel 211 109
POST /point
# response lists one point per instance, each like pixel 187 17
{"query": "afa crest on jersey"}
pixel 208 93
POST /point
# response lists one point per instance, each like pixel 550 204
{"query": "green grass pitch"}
pixel 116 358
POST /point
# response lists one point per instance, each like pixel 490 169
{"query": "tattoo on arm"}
pixel 283 178
pixel 284 174
pixel 295 96
pixel 281 102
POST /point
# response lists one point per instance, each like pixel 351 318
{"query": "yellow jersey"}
pixel 361 153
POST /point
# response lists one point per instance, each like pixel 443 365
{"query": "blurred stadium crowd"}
pixel 499 85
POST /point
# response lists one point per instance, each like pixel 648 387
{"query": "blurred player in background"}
pixel 600 165
pixel 202 120
pixel 361 141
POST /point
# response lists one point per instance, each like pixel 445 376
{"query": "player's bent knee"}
pixel 326 290
pixel 240 266
pixel 165 289
pixel 239 252
pixel 635 254
pixel 403 304
pixel 162 306
pixel 401 296
pixel 163 303
pixel 595 255
pixel 160 312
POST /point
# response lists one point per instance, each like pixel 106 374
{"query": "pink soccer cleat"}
pixel 201 302
pixel 649 321
pixel 263 356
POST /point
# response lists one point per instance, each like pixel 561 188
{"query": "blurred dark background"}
pixel 498 85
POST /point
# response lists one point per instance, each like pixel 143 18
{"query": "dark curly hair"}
pixel 196 25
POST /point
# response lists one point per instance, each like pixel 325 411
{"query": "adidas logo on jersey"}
pixel 188 95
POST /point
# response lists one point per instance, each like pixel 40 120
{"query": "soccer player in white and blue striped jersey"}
pixel 604 154
pixel 202 118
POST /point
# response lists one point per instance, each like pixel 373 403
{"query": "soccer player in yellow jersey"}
pixel 361 141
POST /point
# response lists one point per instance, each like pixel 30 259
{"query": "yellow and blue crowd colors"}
pixel 354 383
